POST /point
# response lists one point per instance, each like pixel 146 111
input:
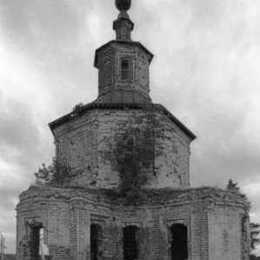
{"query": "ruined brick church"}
pixel 128 194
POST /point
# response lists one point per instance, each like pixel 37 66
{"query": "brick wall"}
pixel 225 234
pixel 111 87
pixel 95 141
pixel 66 215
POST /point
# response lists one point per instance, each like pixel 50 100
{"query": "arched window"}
pixel 95 241
pixel 35 230
pixel 35 242
pixel 130 245
pixel 126 69
pixel 245 237
pixel 179 242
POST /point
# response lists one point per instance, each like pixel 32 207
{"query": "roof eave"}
pixel 87 107
pixel 123 42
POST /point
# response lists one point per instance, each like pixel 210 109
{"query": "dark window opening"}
pixel 95 241
pixel 126 73
pixel 179 242
pixel 244 227
pixel 36 230
pixel 245 238
pixel 130 243
pixel 35 243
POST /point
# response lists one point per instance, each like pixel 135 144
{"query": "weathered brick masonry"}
pixel 129 196
pixel 94 141
pixel 213 218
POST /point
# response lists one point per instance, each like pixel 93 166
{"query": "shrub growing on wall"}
pixel 134 154
pixel 56 174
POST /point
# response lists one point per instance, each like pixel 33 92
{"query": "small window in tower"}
pixel 126 69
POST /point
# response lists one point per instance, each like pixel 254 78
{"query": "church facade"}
pixel 127 194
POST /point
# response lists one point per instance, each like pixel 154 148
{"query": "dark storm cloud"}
pixel 60 38
pixel 16 117
pixel 18 132
pixel 51 27
pixel 39 24
pixel 11 196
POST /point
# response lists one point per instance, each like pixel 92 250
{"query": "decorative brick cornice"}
pixel 120 106
pixel 164 197
pixel 132 43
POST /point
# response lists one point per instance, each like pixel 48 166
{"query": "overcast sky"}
pixel 206 71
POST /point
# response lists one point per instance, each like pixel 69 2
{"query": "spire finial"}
pixel 123 25
pixel 123 5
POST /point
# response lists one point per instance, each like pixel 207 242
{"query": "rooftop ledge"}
pixel 120 106
pixel 151 197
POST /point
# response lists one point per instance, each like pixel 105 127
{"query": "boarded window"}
pixel 95 241
pixel 126 69
pixel 130 243
pixel 179 242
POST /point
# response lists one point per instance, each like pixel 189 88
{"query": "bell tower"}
pixel 123 64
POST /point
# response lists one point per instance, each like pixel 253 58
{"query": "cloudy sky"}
pixel 205 71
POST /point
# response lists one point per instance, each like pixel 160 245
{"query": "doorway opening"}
pixel 130 244
pixel 179 242
pixel 38 249
pixel 35 242
pixel 95 241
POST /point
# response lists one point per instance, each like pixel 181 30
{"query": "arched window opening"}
pixel 130 245
pixel 35 242
pixel 179 242
pixel 126 69
pixel 95 241
pixel 43 250
pixel 38 249
pixel 245 249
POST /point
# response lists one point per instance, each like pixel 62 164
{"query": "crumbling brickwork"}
pixel 111 87
pixel 212 222
pixel 94 142
pixel 127 195
pixel 224 233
